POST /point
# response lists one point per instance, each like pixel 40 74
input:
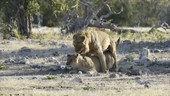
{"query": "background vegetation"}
pixel 17 16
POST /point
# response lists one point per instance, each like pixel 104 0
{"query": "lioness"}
pixel 88 63
pixel 95 43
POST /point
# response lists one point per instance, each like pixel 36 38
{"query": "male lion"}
pixel 89 64
pixel 95 43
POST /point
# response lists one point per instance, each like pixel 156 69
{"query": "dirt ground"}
pixel 36 67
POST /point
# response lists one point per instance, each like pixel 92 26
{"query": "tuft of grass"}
pixel 141 64
pixel 87 87
pixel 2 66
pixel 51 35
pixel 129 58
pixel 127 35
pixel 4 42
pixel 50 77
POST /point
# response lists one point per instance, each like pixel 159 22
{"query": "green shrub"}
pixel 87 87
pixel 50 23
pixel 129 58
pixel 2 66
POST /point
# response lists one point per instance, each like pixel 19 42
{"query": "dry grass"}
pixel 54 85
pixel 125 86
pixel 154 36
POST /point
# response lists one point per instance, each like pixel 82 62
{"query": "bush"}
pixel 50 23
pixel 2 66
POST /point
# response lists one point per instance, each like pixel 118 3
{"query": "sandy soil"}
pixel 36 68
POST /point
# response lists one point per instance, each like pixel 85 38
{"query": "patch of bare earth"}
pixel 37 68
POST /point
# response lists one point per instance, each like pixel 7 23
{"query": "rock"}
pixel 156 51
pixel 23 61
pixel 127 42
pixel 53 68
pixel 32 41
pixel 69 76
pixel 80 72
pixel 134 72
pixel 53 42
pixel 113 75
pixel 63 45
pixel 52 59
pixel 62 76
pixel 12 38
pixel 145 57
pixel 20 78
pixel 138 71
pixel 62 66
pixel 9 61
pixel 137 78
pixel 25 49
pixel 77 79
pixel 123 70
pixel 56 53
pixel 146 83
pixel 73 72
pixel 34 77
pixel 144 54
pixel 36 65
pixel 167 43
pixel 144 62
pixel 91 73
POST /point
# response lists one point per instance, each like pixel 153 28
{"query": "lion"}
pixel 88 64
pixel 95 43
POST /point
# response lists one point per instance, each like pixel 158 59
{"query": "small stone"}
pixel 127 42
pixel 62 76
pixel 20 78
pixel 146 85
pixel 36 66
pixel 137 78
pixel 53 43
pixel 12 38
pixel 80 72
pixel 156 51
pixel 25 49
pixel 69 76
pixel 77 79
pixel 113 75
pixel 34 77
pixel 53 68
pixel 135 72
pixel 63 46
pixel 62 66
pixel 27 62
pixel 56 53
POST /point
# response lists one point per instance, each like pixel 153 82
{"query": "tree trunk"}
pixel 29 24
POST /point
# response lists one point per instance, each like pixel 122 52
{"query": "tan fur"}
pixel 88 63
pixel 95 43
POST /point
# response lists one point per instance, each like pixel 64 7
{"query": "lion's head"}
pixel 81 42
pixel 73 60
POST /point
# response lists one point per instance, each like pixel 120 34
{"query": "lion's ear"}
pixel 82 38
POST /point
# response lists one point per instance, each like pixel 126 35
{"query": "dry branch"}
pixel 75 23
